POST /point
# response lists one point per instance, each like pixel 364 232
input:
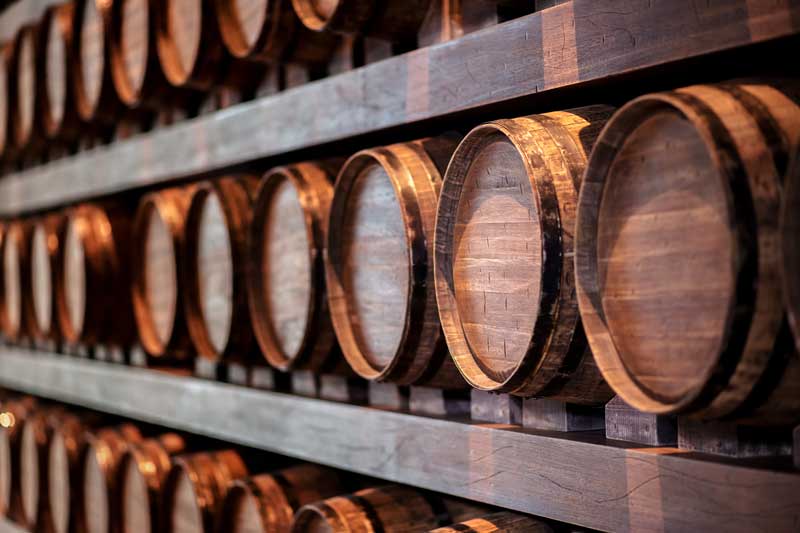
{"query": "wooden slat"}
pixel 580 479
pixel 565 45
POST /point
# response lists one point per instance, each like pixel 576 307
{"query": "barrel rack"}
pixel 580 478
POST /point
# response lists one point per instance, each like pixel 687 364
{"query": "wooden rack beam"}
pixel 566 45
pixel 578 478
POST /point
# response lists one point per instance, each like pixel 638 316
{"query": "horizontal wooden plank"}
pixel 562 46
pixel 580 479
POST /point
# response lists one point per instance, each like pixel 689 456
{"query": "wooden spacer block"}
pixel 554 415
pixel 270 84
pixel 732 440
pixel 496 408
pixel 623 422
pixel 305 383
pixel 237 374
pixel 206 369
pixel 296 75
pixel 347 55
pixel 388 396
pixel 342 389
pixel 266 378
pixel 377 50
pixel 137 356
pixel 438 402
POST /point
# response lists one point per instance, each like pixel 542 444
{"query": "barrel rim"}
pixel 86 109
pixel 344 19
pixel 126 87
pixel 50 224
pixel 608 358
pixel 68 330
pixel 16 234
pixel 23 138
pixel 56 18
pixel 169 55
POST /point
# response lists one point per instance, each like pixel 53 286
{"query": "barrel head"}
pixel 29 471
pixel 42 277
pixel 244 514
pixel 134 47
pixel 184 24
pixel 58 482
pixel 26 85
pixel 55 57
pixel 12 280
pixel 160 276
pixel 135 511
pixel 4 103
pixel 74 276
pixel 95 497
pixel 92 58
pixel 5 465
pixel 185 516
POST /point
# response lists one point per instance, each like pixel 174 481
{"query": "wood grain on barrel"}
pixel 396 20
pixel 135 41
pixel 187 516
pixel 250 16
pixel 55 82
pixel 135 507
pixel 29 472
pixel 63 452
pixel 42 277
pixel 5 95
pixel 92 56
pixel 700 242
pixel 25 104
pixel 95 497
pixel 14 278
pixel 790 245
pixel 74 276
pixel 160 276
pixel 5 469
pixel 504 274
pixel 500 522
pixel 185 24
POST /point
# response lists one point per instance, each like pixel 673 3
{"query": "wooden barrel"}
pixel 394 20
pixel 391 508
pixel 504 256
pixel 189 46
pixel 13 412
pixel 56 97
pixel 24 87
pixel 158 274
pixel 379 266
pixel 790 247
pixel 502 522
pixel 16 277
pixel 269 31
pixel 99 458
pixel 93 284
pixel 196 488
pixel 59 492
pixel 287 297
pixel 95 97
pixel 677 252
pixel 267 502
pixel 141 475
pixel 6 134
pixel 135 67
pixel 43 245
pixel 216 267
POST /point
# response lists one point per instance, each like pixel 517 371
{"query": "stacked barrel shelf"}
pixel 400 266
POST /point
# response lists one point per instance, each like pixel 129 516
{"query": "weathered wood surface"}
pixel 528 55
pixel 580 479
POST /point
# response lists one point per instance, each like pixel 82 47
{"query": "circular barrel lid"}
pixel 242 22
pixel 74 274
pixel 95 499
pixel 4 97
pixel 135 497
pixel 26 85
pixel 160 276
pixel 92 59
pixel 185 516
pixel 132 49
pixel 179 46
pixel 12 280
pixel 56 58
pixel 29 469
pixel 58 482
pixel 42 276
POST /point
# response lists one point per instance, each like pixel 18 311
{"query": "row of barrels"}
pixel 649 249
pixel 63 471
pixel 86 63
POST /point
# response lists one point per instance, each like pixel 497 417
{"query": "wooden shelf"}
pixel 563 46
pixel 578 478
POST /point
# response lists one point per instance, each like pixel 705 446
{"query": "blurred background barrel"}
pixel 287 297
pixel 6 134
pixel 93 283
pixel 502 522
pixel 24 87
pixel 196 488
pixel 43 250
pixel 379 267
pixel 677 252
pixel 392 20
pixel 217 224
pixel 55 63
pixel 158 274
pixel 13 412
pixel 391 508
pixel 790 244
pixel 142 473
pixel 267 502
pixel 95 96
pixel 99 458
pixel 504 256
pixel 16 277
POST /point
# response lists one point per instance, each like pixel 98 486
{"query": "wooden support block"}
pixel 388 396
pixel 343 389
pixel 270 84
pixel 623 422
pixel 206 368
pixel 377 50
pixel 727 438
pixel 137 356
pixel 347 56
pixel 554 415
pixel 295 76
pixel 497 408
pixel 237 374
pixel 77 350
pixel 450 19
pixel 305 383
pixel 438 402
pixel 266 378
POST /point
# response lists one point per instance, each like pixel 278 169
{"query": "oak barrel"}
pixel 504 256
pixel 24 87
pixel 216 309
pixel 6 133
pixel 379 266
pixel 267 502
pixel 98 462
pixel 13 411
pixel 16 277
pixel 501 522
pixel 790 244
pixel 43 246
pixel 95 97
pixel 394 20
pixel 390 508
pixel 142 473
pixel 286 289
pixel 93 282
pixel 678 274
pixel 196 488
pixel 189 46
pixel 269 31
pixel 58 114
pixel 158 279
